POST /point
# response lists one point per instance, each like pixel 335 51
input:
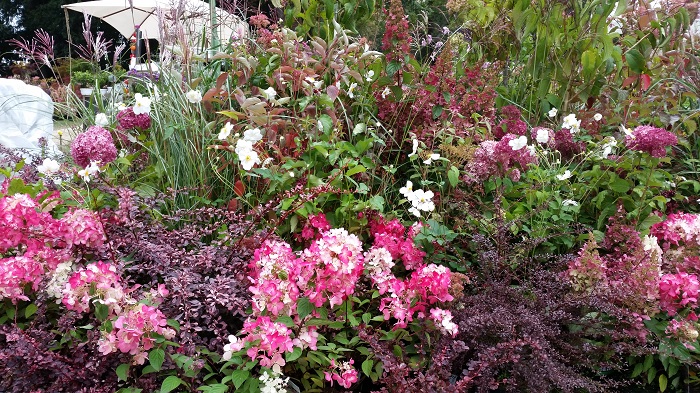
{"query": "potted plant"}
pixel 87 81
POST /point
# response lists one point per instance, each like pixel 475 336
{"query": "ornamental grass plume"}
pixel 95 144
pixel 652 140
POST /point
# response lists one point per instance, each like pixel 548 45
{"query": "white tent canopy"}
pixel 154 16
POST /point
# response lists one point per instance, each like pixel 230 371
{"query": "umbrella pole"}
pixel 70 56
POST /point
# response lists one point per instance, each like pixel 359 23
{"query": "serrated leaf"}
pixel 392 67
pixel 156 358
pixel 170 383
pixel 123 371
pixel 619 185
pixel 238 377
pixel 437 111
pixel 101 311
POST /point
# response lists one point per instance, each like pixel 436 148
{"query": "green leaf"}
pixel 635 60
pixel 156 357
pixel 589 59
pixel 437 111
pixel 638 368
pixel 355 170
pixel 30 310
pixel 663 382
pixel 304 307
pixel 367 366
pixel 215 388
pixel 238 377
pixel 294 355
pixel 170 383
pixel 619 185
pixel 327 123
pixel 392 67
pixel 287 320
pixel 453 176
pixel 123 371
pixel 101 311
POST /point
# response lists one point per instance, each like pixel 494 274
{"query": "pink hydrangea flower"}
pixel 343 373
pixel 128 120
pixel 95 144
pixel 652 140
pixel 85 228
pixel 677 291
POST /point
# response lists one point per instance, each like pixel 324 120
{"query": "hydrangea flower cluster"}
pixel 677 291
pixel 511 123
pixel 342 372
pixel 85 228
pixel 128 120
pixel 273 383
pixel 327 272
pixel 679 229
pixel 33 243
pixel 684 330
pixel 95 144
pixel 650 140
pixel 133 322
pixel 506 157
pixel 132 332
pixel 98 281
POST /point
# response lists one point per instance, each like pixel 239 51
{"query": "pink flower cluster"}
pixel 33 243
pixel 652 140
pixel 315 226
pixel 588 270
pixel 133 323
pixel 684 330
pixel 132 332
pixel 493 158
pixel 95 144
pixel 679 229
pixel 128 120
pixel 511 123
pixel 98 281
pixel 344 373
pixel 327 273
pixel 85 228
pixel 677 291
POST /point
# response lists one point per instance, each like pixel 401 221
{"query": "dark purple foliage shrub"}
pixel 196 254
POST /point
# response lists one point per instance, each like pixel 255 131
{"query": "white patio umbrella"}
pixel 125 15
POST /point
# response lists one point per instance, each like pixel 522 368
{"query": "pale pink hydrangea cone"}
pixel 95 144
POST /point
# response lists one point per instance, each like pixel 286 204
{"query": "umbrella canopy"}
pixel 150 15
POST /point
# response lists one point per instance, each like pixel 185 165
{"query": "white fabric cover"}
pixel 26 114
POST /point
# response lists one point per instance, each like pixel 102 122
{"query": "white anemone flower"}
pixel 101 120
pixel 252 135
pixel 407 189
pixel 194 96
pixel 431 158
pixel 564 176
pixel 248 159
pixel 542 135
pixel 49 166
pixel 225 131
pixel 141 104
pixel 270 93
pixel 518 143
pixel 552 112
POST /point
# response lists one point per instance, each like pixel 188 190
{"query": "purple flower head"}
pixel 564 144
pixel 651 140
pixel 95 144
pixel 127 120
pixel 500 158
